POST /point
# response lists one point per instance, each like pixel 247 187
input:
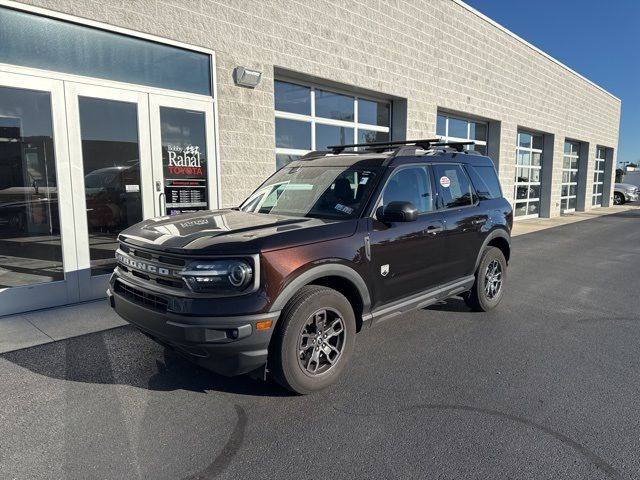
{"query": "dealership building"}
pixel 112 111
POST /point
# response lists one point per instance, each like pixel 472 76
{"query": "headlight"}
pixel 218 276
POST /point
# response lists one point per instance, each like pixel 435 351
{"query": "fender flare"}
pixel 320 271
pixel 497 233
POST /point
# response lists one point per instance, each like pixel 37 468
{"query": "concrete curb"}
pixel 524 227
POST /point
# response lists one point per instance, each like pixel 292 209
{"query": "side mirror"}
pixel 397 212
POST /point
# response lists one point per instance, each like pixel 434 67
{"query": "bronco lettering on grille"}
pixel 145 267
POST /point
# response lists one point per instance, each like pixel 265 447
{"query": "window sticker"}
pixel 364 180
pixel 344 209
pixel 445 181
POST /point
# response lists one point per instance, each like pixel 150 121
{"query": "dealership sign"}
pixel 184 161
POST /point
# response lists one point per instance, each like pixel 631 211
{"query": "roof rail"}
pixel 315 154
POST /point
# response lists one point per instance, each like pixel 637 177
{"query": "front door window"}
pixel 30 241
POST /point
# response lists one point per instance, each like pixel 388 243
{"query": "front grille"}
pixel 169 262
pixel 141 297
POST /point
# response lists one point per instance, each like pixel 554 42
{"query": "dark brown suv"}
pixel 328 245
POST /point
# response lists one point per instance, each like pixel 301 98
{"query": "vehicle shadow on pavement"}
pixel 453 304
pixel 123 356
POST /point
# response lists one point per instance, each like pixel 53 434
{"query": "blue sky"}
pixel 598 39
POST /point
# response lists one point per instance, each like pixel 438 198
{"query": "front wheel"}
pixel 488 289
pixel 618 198
pixel 314 340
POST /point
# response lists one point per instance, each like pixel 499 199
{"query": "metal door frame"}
pixel 42 295
pixel 92 287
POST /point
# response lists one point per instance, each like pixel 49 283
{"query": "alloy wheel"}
pixel 493 279
pixel 321 342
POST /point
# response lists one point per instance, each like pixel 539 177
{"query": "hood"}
pixel 625 186
pixel 232 231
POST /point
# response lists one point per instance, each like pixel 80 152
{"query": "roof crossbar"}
pixel 382 146
pixel 400 147
pixel 457 146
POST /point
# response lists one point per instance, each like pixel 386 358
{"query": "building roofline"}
pixel 531 46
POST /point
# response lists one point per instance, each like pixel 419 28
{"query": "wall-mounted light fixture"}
pixel 246 77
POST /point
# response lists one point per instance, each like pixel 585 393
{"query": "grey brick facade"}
pixel 425 54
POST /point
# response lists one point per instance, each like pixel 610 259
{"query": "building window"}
pixel 569 185
pixel 457 129
pixel 312 118
pixel 528 174
pixel 41 42
pixel 598 177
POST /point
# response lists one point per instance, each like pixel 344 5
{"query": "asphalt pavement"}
pixel 546 387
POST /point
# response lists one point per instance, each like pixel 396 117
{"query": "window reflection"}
pixel 373 113
pixel 293 134
pixel 47 43
pixel 331 135
pixel 110 157
pixel 30 243
pixel 334 105
pixel 371 136
pixel 292 98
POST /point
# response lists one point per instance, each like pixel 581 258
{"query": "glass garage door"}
pixel 458 129
pixel 598 177
pixel 528 175
pixel 569 185
pixel 311 118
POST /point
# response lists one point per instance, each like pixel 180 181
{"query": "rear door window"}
pixel 485 180
pixel 454 186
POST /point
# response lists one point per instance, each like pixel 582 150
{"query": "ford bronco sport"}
pixel 330 244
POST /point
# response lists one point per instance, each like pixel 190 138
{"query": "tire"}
pixel 618 198
pixel 293 354
pixel 482 298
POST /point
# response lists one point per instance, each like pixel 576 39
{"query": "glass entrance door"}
pixel 183 150
pixel 37 245
pixel 110 150
pixel 79 163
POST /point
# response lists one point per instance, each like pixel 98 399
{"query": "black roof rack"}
pixel 383 146
pixel 399 147
pixel 457 146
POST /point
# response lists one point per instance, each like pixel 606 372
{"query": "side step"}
pixel 422 300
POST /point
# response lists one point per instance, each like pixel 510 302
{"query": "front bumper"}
pixel 631 197
pixel 229 345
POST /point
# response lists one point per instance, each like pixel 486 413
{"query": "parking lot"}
pixel 544 387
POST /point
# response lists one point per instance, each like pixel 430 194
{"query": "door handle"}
pixel 162 204
pixel 433 230
pixel 479 221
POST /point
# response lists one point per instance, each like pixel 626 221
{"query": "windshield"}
pixel 317 192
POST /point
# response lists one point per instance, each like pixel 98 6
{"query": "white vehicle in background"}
pixel 624 192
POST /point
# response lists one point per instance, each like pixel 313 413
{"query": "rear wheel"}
pixel 314 340
pixel 618 198
pixel 488 289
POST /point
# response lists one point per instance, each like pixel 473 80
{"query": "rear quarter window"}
pixel 485 180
